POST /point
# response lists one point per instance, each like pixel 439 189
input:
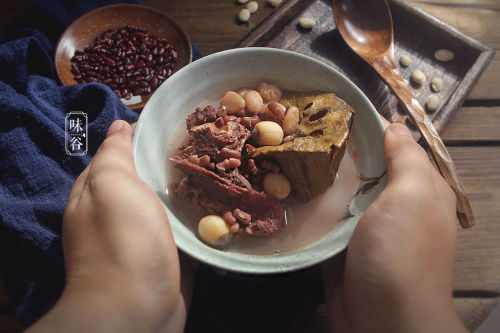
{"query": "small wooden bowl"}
pixel 86 28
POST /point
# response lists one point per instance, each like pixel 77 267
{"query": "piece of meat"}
pixel 208 139
pixel 201 116
pixel 218 194
pixel 215 190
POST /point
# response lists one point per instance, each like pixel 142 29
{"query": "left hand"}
pixel 122 265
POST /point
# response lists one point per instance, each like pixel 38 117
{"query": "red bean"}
pixel 229 218
pixel 242 216
pixel 252 167
pixel 204 161
pixel 234 228
pixel 116 55
pixel 230 153
pixel 194 159
pixel 228 163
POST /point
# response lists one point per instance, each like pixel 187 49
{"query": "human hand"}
pixel 122 266
pixel 398 271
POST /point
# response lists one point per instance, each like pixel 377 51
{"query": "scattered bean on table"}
pixel 436 84
pixel 307 22
pixel 433 102
pixel 405 60
pixel 275 3
pixel 252 6
pixel 418 76
pixel 444 55
pixel 244 15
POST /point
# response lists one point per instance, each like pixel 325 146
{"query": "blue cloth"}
pixel 36 174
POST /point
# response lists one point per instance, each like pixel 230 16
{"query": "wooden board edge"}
pixel 436 22
pixel 273 23
pixel 458 97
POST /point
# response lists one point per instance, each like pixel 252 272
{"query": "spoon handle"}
pixel 419 117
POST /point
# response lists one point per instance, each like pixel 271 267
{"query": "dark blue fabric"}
pixel 36 174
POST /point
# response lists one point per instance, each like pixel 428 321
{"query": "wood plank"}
pixel 478 252
pixel 473 125
pixel 472 311
pixel 212 25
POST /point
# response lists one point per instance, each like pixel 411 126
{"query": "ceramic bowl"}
pixel 86 28
pixel 205 81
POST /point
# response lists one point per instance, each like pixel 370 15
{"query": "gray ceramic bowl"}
pixel 206 80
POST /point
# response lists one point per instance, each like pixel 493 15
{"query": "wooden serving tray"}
pixel 416 34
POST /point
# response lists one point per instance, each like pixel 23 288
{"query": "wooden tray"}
pixel 417 34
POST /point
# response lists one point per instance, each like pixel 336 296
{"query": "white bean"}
pixel 253 101
pixel 405 60
pixel 433 102
pixel 267 133
pixel 277 185
pixel 214 230
pixel 244 15
pixel 436 84
pixel 252 6
pixel 232 102
pixel 291 120
pixel 306 22
pixel 444 55
pixel 418 76
pixel 269 92
pixel 275 3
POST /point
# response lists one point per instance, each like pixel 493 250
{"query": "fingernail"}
pixel 398 128
pixel 115 127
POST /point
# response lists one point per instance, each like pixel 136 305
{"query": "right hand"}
pixel 398 273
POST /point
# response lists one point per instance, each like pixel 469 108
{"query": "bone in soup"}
pixel 260 153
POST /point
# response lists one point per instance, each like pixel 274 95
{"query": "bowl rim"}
pixel 243 267
pixel 92 12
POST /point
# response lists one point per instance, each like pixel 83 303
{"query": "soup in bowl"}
pixel 314 226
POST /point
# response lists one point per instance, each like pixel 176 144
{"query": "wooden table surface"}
pixel 472 136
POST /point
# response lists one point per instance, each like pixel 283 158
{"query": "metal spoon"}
pixel 366 26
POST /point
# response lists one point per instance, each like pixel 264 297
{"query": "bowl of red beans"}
pixel 130 48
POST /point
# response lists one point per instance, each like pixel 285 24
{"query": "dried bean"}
pixel 194 159
pixel 252 167
pixel 204 161
pixel 229 218
pixel 229 163
pixel 234 228
pixel 242 216
pixel 230 153
pixel 277 111
pixel 291 120
pixel 115 55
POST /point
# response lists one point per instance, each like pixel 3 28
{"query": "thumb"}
pixel 116 150
pixel 407 162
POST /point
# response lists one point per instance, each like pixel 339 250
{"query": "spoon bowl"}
pixel 371 38
pixel 366 26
